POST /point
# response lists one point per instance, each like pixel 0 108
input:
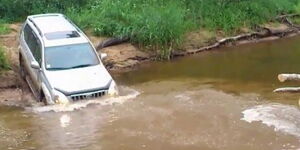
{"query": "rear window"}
pixel 61 35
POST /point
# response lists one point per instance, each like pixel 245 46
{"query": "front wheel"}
pixel 22 68
pixel 42 98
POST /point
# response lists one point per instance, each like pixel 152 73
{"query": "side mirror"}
pixel 35 65
pixel 103 55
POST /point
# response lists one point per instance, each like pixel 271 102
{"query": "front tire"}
pixel 42 98
pixel 22 68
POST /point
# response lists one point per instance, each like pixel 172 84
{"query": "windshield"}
pixel 70 57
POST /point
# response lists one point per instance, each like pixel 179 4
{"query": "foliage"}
pixel 155 23
pixel 4 29
pixel 297 8
pixel 3 60
pixel 17 9
pixel 164 22
pixel 228 15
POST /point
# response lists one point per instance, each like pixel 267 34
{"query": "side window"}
pixel 33 43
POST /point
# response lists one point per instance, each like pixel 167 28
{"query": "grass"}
pixel 4 29
pixel 3 60
pixel 160 24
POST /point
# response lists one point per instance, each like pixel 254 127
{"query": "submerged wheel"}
pixel 22 68
pixel 42 98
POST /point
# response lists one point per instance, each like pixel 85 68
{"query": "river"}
pixel 218 100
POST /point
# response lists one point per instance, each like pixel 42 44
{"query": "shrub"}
pixel 228 15
pixel 18 9
pixel 155 23
pixel 3 60
pixel 4 29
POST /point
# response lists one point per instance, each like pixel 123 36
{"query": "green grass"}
pixel 162 23
pixel 159 24
pixel 4 29
pixel 3 60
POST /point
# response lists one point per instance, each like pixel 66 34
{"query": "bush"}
pixel 4 29
pixel 3 60
pixel 163 22
pixel 13 10
pixel 228 15
pixel 147 24
pixel 155 23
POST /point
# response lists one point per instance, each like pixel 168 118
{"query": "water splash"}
pixel 128 94
pixel 283 118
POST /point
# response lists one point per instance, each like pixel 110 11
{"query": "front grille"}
pixel 85 96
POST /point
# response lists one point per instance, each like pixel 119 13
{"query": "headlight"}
pixel 60 98
pixel 113 89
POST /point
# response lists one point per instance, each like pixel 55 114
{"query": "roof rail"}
pixel 40 32
pixel 46 15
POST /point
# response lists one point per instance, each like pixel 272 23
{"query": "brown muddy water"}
pixel 219 100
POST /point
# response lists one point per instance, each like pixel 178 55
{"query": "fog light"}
pixel 60 98
pixel 113 89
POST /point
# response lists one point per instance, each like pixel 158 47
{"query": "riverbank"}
pixel 127 56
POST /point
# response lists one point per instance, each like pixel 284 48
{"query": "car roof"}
pixel 50 24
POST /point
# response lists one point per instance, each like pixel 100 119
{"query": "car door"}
pixel 33 53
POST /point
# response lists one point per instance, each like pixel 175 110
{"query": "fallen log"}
pixel 288 77
pixel 288 90
pixel 111 42
pixel 287 16
pixel 248 36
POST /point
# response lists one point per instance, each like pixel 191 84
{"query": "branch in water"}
pixel 288 90
pixel 288 77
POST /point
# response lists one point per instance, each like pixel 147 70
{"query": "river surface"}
pixel 219 100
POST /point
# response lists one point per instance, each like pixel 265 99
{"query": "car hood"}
pixel 79 80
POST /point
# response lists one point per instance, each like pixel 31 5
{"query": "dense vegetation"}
pixel 3 60
pixel 4 29
pixel 154 23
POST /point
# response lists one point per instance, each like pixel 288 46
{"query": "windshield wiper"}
pixel 58 68
pixel 62 68
pixel 82 66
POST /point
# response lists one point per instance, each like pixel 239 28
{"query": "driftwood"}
pixel 287 16
pixel 287 90
pixel 265 32
pixel 111 42
pixel 219 43
pixel 288 77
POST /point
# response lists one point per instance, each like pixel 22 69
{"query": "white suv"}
pixel 59 63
